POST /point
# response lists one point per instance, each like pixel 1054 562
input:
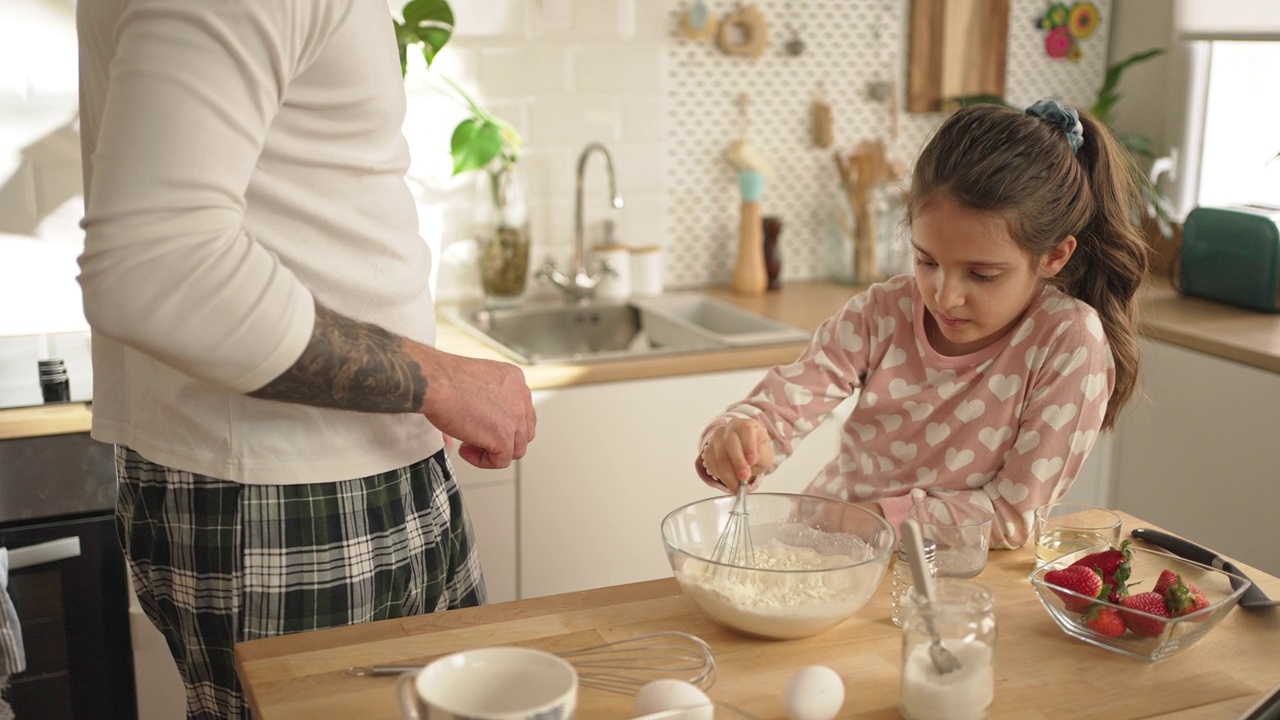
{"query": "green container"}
pixel 1232 255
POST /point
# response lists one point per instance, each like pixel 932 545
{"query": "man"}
pixel 263 328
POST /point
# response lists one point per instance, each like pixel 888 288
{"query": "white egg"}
pixel 815 692
pixel 670 694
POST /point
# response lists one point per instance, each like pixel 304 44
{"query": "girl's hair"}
pixel 1020 167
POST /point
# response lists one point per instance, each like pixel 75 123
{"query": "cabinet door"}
pixel 610 461
pixel 490 499
pixel 1196 452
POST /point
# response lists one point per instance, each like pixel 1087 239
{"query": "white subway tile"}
pixel 523 69
pixel 644 119
pixel 640 167
pixel 619 67
pixel 643 219
pixel 572 120
pixel 490 18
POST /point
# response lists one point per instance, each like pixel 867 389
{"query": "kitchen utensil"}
pixel 942 658
pixel 491 683
pixel 620 666
pixel 734 546
pixel 1253 596
pixel 1163 636
pixel 827 557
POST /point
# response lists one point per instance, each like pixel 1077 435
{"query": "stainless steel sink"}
pixel 551 332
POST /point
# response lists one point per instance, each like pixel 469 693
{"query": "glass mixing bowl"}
pixel 817 561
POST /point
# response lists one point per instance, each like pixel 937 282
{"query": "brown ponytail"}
pixel 995 159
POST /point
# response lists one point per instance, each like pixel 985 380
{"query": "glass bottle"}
pixel 842 232
pixel 893 250
pixel 902 580
pixel 963 616
pixel 55 385
pixel 503 230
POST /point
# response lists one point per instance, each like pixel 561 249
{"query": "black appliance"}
pixel 57 500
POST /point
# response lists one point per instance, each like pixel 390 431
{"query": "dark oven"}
pixel 67 579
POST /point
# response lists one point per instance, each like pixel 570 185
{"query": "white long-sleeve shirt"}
pixel 1005 428
pixel 243 159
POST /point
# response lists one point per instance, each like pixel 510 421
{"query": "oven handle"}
pixel 45 552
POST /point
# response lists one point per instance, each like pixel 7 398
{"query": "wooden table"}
pixel 1040 671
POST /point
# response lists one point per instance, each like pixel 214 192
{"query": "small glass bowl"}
pixel 1176 635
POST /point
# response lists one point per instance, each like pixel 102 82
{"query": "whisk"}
pixel 734 546
pixel 621 666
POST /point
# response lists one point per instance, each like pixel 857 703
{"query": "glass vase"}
pixel 502 226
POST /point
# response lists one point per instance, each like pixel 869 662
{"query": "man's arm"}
pixel 352 365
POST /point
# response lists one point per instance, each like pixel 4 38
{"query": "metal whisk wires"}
pixel 625 666
pixel 734 546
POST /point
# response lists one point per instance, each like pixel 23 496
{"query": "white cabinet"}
pixel 490 499
pixel 610 461
pixel 1197 452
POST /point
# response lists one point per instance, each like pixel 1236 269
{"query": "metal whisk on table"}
pixel 734 546
pixel 621 666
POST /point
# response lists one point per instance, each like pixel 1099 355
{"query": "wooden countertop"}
pixel 1041 673
pixel 1235 334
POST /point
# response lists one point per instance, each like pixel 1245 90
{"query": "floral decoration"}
pixel 1066 26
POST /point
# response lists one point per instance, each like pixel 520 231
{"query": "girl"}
pixel 988 375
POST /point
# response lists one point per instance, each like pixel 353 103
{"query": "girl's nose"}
pixel 950 295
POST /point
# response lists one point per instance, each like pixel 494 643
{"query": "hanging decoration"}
pixel 1065 26
pixel 698 23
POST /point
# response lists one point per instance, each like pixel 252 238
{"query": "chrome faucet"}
pixel 581 282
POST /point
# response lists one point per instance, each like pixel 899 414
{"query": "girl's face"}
pixel 975 280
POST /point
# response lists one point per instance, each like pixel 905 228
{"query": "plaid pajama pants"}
pixel 217 562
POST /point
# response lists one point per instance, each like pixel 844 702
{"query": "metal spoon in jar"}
pixel 942 658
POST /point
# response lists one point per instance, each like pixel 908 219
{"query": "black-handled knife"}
pixel 1252 597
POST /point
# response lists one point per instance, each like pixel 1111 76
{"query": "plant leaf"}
pixel 1107 95
pixel 429 22
pixel 474 144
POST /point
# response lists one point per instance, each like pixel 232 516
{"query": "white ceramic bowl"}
pixel 493 683
pixel 827 558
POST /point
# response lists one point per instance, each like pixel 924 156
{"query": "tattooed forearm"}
pixel 350 365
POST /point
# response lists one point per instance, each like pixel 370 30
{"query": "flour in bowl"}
pixel 804 581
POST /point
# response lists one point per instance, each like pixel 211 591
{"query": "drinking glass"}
pixel 1063 527
pixel 961 530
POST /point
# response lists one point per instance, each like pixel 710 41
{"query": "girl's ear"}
pixel 1054 260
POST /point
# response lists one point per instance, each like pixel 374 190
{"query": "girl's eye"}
pixel 984 278
pixel 925 261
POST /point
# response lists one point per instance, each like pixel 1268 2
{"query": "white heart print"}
pixel 926 476
pixel 970 410
pixel 1027 442
pixel 1093 384
pixel 957 459
pixel 1082 441
pixel 1004 386
pixel 949 390
pixel 1036 355
pixel 905 452
pixel 993 438
pixel 899 388
pixel 936 433
pixel 1094 325
pixel 977 480
pixel 1012 492
pixel 1023 332
pixel 1066 363
pixel 938 377
pixel 895 357
pixel 850 341
pixel 890 422
pixel 1045 469
pixel 918 411
pixel 1059 415
pixel 868 399
pixel 866 432
pixel 885 328
pixel 798 394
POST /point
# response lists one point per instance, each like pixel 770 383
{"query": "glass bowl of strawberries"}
pixel 1141 603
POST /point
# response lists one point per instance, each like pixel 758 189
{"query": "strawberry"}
pixel 1167 578
pixel 1078 579
pixel 1146 604
pixel 1113 563
pixel 1105 621
pixel 1183 599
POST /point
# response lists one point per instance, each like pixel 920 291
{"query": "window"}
pixel 1240 155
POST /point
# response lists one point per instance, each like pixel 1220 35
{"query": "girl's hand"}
pixel 736 452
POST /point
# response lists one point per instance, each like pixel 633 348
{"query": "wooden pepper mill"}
pixel 750 276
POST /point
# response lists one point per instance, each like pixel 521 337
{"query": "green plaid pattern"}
pixel 217 562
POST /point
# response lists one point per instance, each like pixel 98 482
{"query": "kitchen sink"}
pixel 552 332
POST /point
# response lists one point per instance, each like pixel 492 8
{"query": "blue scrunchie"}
pixel 1064 117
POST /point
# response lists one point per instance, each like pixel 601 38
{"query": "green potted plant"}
pixel 481 141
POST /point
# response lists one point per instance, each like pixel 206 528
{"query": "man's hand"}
pixel 484 404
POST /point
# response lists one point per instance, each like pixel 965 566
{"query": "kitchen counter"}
pixel 1041 672
pixel 1244 336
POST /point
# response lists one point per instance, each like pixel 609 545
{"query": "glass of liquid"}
pixel 1064 527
